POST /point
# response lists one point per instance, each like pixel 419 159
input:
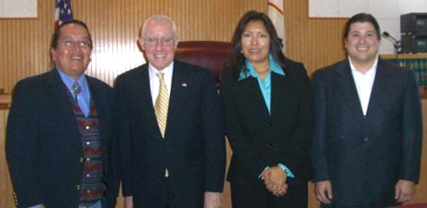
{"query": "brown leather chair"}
pixel 211 55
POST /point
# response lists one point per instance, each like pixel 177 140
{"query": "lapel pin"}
pixel 184 84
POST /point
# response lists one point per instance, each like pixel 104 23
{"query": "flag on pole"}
pixel 63 11
pixel 276 14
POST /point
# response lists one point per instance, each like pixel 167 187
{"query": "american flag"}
pixel 63 11
pixel 276 14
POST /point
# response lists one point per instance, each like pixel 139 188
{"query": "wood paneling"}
pixel 6 199
pixel 315 42
pixel 115 24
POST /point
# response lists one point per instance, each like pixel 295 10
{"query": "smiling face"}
pixel 362 43
pixel 255 42
pixel 159 43
pixel 73 51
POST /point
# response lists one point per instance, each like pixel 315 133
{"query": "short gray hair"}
pixel 160 18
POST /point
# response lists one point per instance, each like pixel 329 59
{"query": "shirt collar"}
pixel 69 81
pixel 167 71
pixel 371 70
pixel 274 67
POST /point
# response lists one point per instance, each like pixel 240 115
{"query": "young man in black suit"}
pixel 367 145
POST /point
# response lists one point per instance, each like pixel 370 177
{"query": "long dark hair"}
pixel 237 60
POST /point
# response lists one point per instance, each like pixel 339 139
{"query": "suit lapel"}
pixel 278 93
pixel 143 98
pixel 256 99
pixel 179 84
pixel 348 87
pixel 380 86
pixel 60 96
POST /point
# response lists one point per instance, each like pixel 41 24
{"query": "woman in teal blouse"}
pixel 269 109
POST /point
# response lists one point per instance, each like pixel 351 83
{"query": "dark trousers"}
pixel 164 197
pixel 257 195
pixel 365 204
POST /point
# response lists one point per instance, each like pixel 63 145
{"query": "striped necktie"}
pixel 162 105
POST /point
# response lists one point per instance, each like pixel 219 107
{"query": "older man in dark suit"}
pixel 367 144
pixel 171 134
pixel 59 130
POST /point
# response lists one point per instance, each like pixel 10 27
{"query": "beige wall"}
pixel 114 25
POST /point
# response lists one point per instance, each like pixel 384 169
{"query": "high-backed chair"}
pixel 211 55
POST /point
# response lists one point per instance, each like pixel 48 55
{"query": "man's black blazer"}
pixel 364 156
pixel 259 139
pixel 193 149
pixel 43 143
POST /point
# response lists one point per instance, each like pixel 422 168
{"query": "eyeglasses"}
pixel 166 41
pixel 70 43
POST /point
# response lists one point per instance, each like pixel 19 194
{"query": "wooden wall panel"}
pixel 6 199
pixel 115 25
pixel 315 42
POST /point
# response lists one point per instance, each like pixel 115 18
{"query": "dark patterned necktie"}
pixel 76 89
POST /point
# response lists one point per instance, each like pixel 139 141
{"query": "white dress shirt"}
pixel 154 80
pixel 364 83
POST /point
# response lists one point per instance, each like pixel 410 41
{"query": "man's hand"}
pixel 212 200
pixel 323 191
pixel 128 202
pixel 404 191
pixel 275 180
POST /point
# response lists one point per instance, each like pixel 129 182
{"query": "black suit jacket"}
pixel 193 149
pixel 259 139
pixel 43 144
pixel 364 156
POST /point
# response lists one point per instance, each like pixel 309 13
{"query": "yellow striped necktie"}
pixel 162 105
